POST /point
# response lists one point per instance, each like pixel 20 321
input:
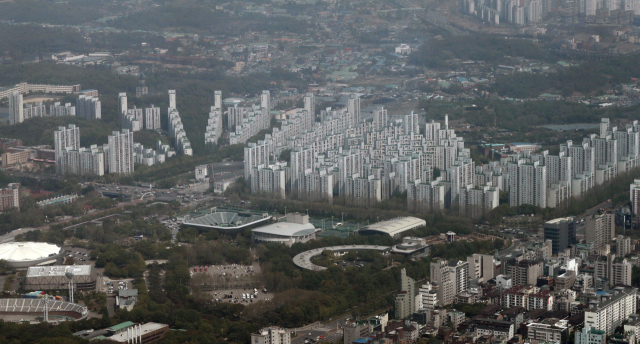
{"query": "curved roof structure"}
pixel 24 254
pixel 227 221
pixel 303 260
pixel 287 229
pixel 394 227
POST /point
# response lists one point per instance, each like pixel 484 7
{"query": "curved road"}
pixel 303 260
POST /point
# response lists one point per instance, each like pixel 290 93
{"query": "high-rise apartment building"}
pixel 152 118
pixel 16 111
pixel 527 183
pixel 613 271
pixel 64 139
pixel 561 232
pixel 353 106
pixel 172 99
pixel 405 299
pixel 265 100
pixel 601 230
pixel 482 267
pixel 121 158
pixel 141 90
pixel 89 107
pixel 525 272
pixel 10 197
pixel 452 278
pixel 623 246
pixel 122 108
pixel 83 162
pixel 269 180
pixel 57 110
pixel 635 196
pixel 582 157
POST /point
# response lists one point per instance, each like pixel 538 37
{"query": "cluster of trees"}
pixel 22 41
pixel 118 262
pixel 73 12
pixel 30 214
pixel 589 78
pixel 522 116
pixel 436 53
pixel 111 231
pixel 52 236
pixel 463 249
pixel 206 20
pixel 45 333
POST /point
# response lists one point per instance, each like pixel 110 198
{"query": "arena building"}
pixel 394 227
pixel 295 229
pixel 228 222
pixel 54 277
pixel 26 254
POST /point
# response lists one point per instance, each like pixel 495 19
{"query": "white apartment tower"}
pixel 265 101
pixel 217 100
pixel 16 112
pixel 380 118
pixel 635 197
pixel 152 118
pixel 172 99
pixel 121 157
pixel 582 157
pixel 122 107
pixel 527 183
pixel 353 107
pixel 65 138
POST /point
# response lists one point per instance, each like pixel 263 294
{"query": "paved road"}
pixel 328 330
pixel 506 251
pixel 11 236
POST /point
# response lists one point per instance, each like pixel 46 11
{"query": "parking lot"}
pixel 235 295
pixel 229 276
pixel 228 283
pixel 111 287
pixel 174 227
pixel 80 256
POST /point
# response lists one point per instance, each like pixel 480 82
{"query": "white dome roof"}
pixel 27 251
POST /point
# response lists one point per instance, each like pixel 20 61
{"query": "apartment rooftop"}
pixel 617 294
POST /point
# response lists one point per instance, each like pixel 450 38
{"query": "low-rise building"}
pixel 589 335
pixel 271 335
pixel 548 330
pixel 493 327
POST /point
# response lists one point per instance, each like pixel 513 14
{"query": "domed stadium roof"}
pixel 24 254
